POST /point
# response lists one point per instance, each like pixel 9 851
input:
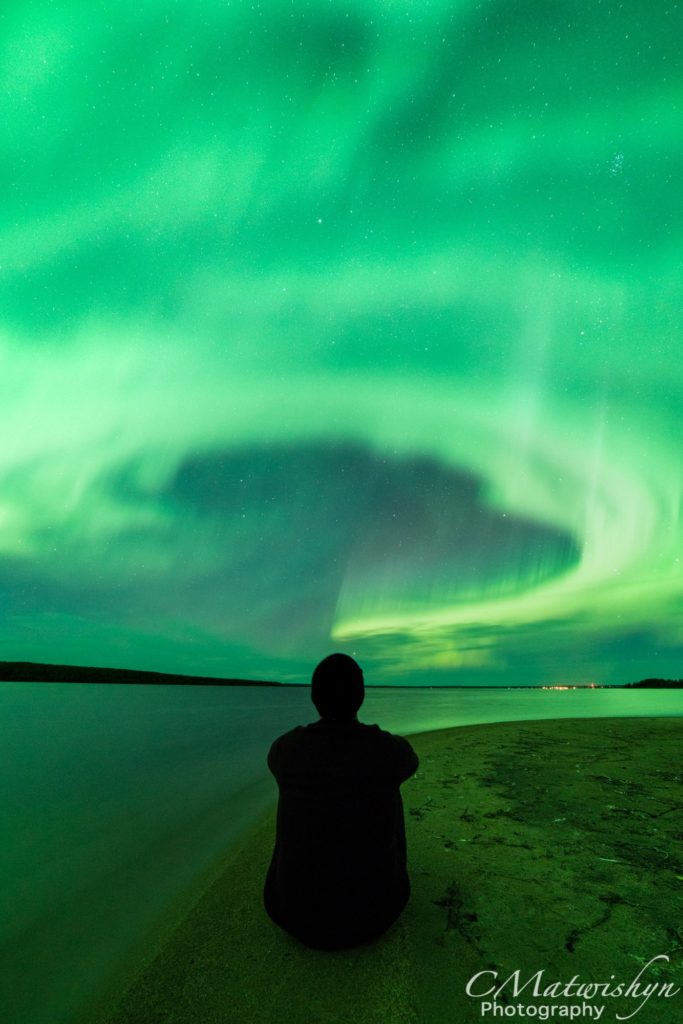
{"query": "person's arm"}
pixel 273 757
pixel 407 761
pixel 281 751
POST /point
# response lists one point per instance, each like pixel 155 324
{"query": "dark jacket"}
pixel 338 871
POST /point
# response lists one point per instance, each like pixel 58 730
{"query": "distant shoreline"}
pixel 36 672
pixel 39 672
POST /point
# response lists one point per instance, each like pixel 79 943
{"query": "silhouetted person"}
pixel 338 872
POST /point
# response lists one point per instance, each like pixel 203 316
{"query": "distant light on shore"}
pixel 578 686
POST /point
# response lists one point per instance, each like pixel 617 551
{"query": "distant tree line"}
pixel 35 672
pixel 657 684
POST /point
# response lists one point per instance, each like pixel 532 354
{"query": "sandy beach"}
pixel 539 846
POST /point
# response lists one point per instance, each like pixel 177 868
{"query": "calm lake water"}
pixel 116 799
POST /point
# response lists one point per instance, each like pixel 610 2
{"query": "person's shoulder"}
pixel 393 751
pixel 369 729
pixel 386 739
pixel 287 740
pixel 284 748
pixel 289 737
pixel 381 734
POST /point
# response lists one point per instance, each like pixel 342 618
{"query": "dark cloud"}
pixel 272 535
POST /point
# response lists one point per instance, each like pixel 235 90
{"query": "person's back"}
pixel 338 874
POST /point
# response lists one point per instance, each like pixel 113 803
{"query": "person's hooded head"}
pixel 337 687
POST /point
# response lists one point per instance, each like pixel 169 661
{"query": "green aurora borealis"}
pixel 343 325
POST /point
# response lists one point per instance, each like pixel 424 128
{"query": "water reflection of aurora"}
pixel 351 327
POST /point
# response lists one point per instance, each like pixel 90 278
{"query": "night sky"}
pixel 343 326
